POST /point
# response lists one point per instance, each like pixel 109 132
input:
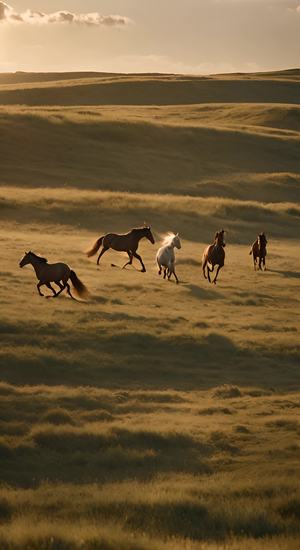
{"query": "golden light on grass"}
pixel 154 415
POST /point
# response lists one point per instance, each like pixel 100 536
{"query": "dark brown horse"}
pixel 259 251
pixel 214 255
pixel 58 273
pixel 128 242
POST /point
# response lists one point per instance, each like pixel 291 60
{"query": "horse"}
pixel 58 273
pixel 127 242
pixel 214 254
pixel 165 257
pixel 259 250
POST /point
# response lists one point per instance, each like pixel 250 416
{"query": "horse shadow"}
pixel 288 274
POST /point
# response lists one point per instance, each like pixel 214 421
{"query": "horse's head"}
pixel 176 241
pixel 26 259
pixel 219 238
pixel 148 233
pixel 262 241
pixel 31 257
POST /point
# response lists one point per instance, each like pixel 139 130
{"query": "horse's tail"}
pixel 95 248
pixel 79 287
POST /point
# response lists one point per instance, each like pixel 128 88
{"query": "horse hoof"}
pixel 143 270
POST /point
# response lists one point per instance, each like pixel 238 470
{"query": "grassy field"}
pixel 152 416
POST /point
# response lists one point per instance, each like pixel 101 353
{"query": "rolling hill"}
pixel 153 416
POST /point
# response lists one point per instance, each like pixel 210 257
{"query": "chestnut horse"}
pixel 259 250
pixel 128 242
pixel 54 273
pixel 214 255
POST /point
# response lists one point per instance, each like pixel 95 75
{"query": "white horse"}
pixel 165 256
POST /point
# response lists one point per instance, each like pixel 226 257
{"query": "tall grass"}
pixel 130 483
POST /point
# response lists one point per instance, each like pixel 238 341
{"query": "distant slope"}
pixel 208 150
pixel 231 136
pixel 105 89
pixel 89 210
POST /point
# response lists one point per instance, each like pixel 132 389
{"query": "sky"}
pixel 173 36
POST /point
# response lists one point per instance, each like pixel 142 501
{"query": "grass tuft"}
pixel 227 392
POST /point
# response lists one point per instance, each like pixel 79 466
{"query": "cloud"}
pixel 5 11
pixel 295 8
pixel 8 15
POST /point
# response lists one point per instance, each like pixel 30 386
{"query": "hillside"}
pixel 152 416
pixel 107 89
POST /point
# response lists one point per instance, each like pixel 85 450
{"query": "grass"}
pixel 191 152
pixel 83 209
pixel 152 416
pixel 181 483
pixel 152 89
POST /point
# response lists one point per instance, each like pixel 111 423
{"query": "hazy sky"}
pixel 191 36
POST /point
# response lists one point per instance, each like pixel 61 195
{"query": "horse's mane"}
pixel 217 236
pixel 42 260
pixel 262 240
pixel 142 228
pixel 168 239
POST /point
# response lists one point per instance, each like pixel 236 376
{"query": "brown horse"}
pixel 214 255
pixel 128 242
pixel 54 273
pixel 259 250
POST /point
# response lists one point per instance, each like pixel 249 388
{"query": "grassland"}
pixel 152 416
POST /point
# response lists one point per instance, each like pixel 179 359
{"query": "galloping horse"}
pixel 128 242
pixel 259 250
pixel 165 256
pixel 58 273
pixel 214 254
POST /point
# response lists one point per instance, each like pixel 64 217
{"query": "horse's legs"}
pixel 138 257
pixel 159 267
pixel 209 271
pixel 101 254
pixel 170 273
pixel 130 259
pixel 203 268
pixel 215 279
pixel 38 287
pixel 61 286
pixel 69 291
pixel 264 262
pixel 51 288
pixel 165 272
pixel 259 264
